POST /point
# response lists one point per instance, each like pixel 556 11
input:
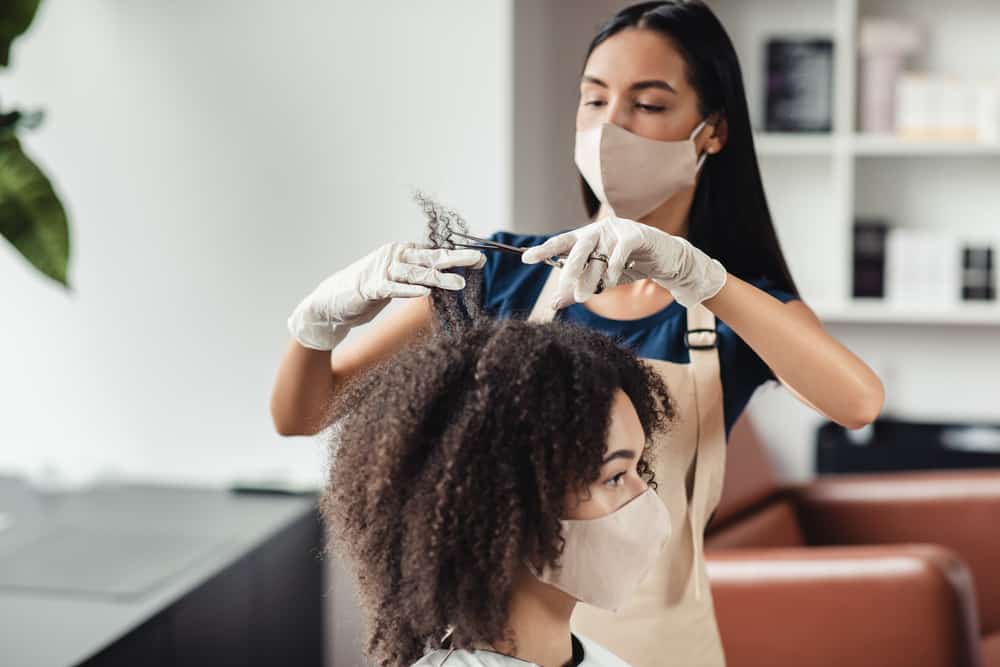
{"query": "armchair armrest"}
pixel 861 606
pixel 959 510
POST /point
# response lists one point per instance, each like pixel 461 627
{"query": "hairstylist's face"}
pixel 636 80
pixel 619 481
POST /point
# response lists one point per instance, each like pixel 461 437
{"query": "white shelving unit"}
pixel 875 145
pixel 874 311
pixel 819 184
pixel 770 144
pixel 776 144
pixel 935 364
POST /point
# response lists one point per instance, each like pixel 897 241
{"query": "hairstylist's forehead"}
pixel 636 59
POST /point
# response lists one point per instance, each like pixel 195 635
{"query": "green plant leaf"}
pixel 31 216
pixel 15 17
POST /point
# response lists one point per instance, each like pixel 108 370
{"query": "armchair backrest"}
pixel 752 511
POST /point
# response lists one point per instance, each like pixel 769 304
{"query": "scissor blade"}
pixel 486 244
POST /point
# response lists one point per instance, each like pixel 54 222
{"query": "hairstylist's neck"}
pixel 671 217
pixel 538 617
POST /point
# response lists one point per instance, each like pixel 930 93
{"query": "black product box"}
pixel 978 274
pixel 868 266
pixel 799 95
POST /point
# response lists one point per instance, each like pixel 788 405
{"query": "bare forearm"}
pixel 302 391
pixel 792 341
pixel 308 380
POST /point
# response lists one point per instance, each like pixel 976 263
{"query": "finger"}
pixel 404 291
pixel 421 275
pixel 443 258
pixel 557 245
pixel 573 269
pixel 616 263
pixel 587 285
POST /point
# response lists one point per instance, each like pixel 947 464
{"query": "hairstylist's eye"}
pixel 594 103
pixel 616 480
pixel 650 108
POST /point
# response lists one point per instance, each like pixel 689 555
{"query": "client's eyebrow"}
pixel 620 454
pixel 638 85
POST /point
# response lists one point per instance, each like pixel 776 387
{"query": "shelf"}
pixel 878 312
pixel 791 143
pixel 867 145
pixel 875 145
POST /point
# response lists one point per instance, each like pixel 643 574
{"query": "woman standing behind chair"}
pixel 669 171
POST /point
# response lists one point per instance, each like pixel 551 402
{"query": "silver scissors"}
pixel 558 261
pixel 486 244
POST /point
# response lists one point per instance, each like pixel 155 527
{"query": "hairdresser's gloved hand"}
pixel 634 251
pixel 355 295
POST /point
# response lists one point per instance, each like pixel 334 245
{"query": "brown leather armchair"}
pixel 863 570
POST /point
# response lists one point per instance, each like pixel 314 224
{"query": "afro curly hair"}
pixel 450 463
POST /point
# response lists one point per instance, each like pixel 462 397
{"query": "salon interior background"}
pixel 218 158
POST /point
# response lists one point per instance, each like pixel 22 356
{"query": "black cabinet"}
pixel 159 576
pixel 263 610
pixel 894 445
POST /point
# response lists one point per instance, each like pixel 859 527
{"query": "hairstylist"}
pixel 695 283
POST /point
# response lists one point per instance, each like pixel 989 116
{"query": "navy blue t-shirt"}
pixel 510 289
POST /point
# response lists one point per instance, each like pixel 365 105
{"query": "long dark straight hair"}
pixel 729 219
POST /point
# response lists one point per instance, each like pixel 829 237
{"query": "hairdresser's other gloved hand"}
pixel 355 295
pixel 634 251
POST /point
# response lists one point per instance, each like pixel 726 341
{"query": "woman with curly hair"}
pixel 484 480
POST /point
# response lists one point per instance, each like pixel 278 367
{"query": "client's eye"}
pixel 616 480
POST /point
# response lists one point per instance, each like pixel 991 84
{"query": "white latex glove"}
pixel 355 295
pixel 634 251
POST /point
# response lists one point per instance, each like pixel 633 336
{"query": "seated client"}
pixel 484 480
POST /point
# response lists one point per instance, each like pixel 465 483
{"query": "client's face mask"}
pixel 604 560
pixel 634 175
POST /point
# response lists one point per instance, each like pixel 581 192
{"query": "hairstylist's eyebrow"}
pixel 619 454
pixel 638 85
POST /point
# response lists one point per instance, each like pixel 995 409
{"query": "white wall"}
pixel 218 159
pixel 550 42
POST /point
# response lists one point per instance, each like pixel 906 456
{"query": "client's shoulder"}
pixel 461 658
pixel 595 655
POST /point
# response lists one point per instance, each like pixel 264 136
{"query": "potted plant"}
pixel 31 216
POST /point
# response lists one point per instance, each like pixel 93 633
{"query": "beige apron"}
pixel 671 619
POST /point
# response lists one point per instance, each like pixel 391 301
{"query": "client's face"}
pixel 619 481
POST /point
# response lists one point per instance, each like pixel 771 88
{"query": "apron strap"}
pixel 710 458
pixel 542 310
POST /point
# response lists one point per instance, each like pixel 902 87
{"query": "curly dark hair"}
pixel 451 462
pixel 453 311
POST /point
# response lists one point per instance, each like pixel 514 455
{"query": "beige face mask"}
pixel 633 175
pixel 604 560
